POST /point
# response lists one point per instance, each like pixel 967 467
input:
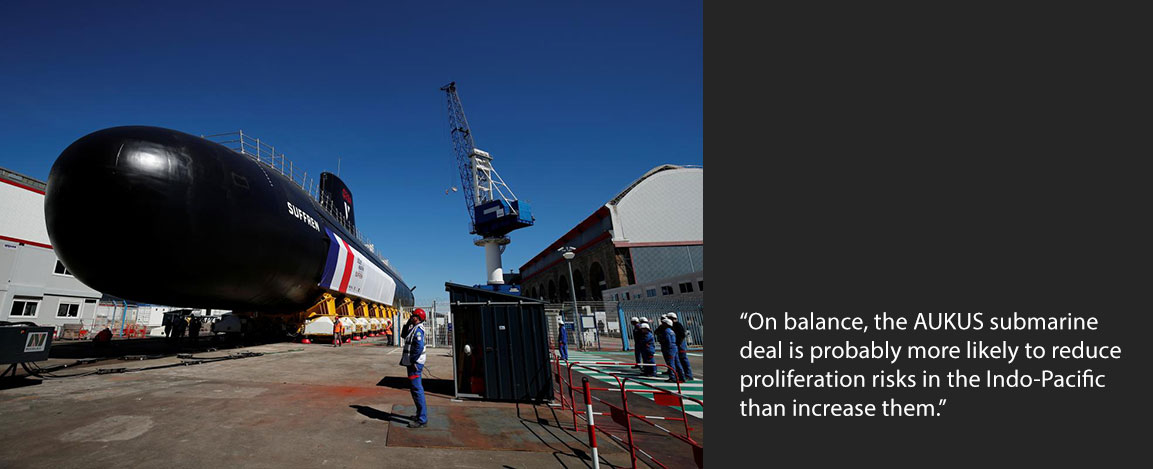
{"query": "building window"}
pixel 60 269
pixel 701 285
pixel 24 308
pixel 651 292
pixel 666 290
pixel 68 310
pixel 686 287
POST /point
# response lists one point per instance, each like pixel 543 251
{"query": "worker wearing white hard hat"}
pixel 636 341
pixel 647 349
pixel 682 348
pixel 668 341
pixel 562 338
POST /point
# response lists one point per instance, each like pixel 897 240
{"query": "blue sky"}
pixel 573 99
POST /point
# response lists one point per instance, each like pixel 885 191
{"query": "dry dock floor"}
pixel 295 406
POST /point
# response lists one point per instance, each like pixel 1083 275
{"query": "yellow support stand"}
pixel 361 312
pixel 344 306
pixel 325 306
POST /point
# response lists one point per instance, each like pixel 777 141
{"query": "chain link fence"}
pixel 438 325
pixel 597 325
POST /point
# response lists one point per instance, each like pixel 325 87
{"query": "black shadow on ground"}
pixel 546 426
pixel 435 386
pixel 152 346
pixel 380 414
pixel 18 382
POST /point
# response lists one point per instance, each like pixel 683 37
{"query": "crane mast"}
pixel 493 209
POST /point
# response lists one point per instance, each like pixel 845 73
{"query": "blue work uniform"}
pixel 682 351
pixel 413 358
pixel 668 342
pixel 562 342
pixel 637 344
pixel 646 346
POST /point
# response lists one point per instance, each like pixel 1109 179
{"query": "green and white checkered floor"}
pixel 694 388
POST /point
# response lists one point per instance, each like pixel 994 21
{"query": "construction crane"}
pixel 493 209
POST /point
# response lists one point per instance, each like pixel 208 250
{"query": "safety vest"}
pixel 337 327
pixel 412 341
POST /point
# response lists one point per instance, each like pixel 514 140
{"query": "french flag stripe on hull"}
pixel 333 253
pixel 349 260
pixel 348 271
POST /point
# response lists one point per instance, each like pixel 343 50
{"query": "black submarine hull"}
pixel 164 217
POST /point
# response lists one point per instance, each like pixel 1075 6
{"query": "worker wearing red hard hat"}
pixel 413 358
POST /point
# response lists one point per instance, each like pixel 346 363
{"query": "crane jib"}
pixel 492 207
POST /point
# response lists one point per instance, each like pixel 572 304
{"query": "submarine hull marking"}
pixel 226 242
pixel 348 271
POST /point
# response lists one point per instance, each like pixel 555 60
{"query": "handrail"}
pixel 262 152
pixel 572 396
pixel 698 449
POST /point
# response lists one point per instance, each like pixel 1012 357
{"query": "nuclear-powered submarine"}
pixel 164 217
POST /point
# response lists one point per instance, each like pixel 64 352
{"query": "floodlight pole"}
pixel 569 254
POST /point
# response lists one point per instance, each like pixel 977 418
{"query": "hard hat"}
pixel 559 320
pixel 644 320
pixel 634 319
pixel 667 321
pixel 672 315
pixel 419 313
pixel 664 315
pixel 644 325
pixel 467 350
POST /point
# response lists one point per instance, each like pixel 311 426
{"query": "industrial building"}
pixel 652 232
pixel 36 287
pixel 680 287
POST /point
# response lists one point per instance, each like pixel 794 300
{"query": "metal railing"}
pixel 264 153
pixel 607 334
pixel 621 414
pixel 22 179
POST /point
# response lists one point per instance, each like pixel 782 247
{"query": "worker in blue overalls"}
pixel 413 358
pixel 647 347
pixel 682 348
pixel 562 338
pixel 668 342
pixel 636 338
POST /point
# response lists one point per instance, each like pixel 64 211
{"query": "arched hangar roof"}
pixel 663 207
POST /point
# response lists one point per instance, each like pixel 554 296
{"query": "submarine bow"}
pixel 164 217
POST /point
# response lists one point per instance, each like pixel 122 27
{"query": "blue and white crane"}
pixel 493 209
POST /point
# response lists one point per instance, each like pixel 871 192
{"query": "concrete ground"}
pixel 295 406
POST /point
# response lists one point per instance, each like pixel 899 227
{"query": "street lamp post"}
pixel 569 254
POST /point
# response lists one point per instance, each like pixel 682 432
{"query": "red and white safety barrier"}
pixel 592 425
pixel 623 416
